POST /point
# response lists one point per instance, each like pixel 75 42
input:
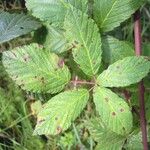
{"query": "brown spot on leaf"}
pixel 59 129
pixel 122 110
pixel 61 63
pixel 118 67
pixel 26 58
pixel 113 113
pixel 106 99
pixel 56 118
pixel 40 121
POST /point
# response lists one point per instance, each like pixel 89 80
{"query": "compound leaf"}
pixel 59 112
pixel 15 25
pixel 109 14
pixel 35 69
pixel 113 110
pixel 106 139
pixel 84 35
pixel 114 50
pixel 124 72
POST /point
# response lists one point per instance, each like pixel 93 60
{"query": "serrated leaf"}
pixel 56 41
pixel 106 139
pixel 113 110
pixel 124 72
pixel 134 141
pixel 35 69
pixel 109 14
pixel 53 11
pixel 15 25
pixel 83 34
pixel 59 112
pixel 114 50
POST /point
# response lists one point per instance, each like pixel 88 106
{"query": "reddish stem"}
pixel 138 52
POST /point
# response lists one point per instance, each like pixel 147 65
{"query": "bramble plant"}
pixel 78 60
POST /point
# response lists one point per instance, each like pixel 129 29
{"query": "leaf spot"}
pixel 113 113
pixel 40 121
pixel 118 67
pixel 106 99
pixel 26 58
pixel 56 118
pixel 122 110
pixel 59 129
pixel 61 63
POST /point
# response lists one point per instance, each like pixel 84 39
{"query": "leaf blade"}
pixel 109 14
pixel 35 69
pixel 113 110
pixel 106 139
pixel 60 111
pixel 84 35
pixel 124 72
pixel 53 11
pixel 15 25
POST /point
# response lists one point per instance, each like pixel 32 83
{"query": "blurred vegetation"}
pixel 18 109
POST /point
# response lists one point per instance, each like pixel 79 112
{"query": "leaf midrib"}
pixel 86 48
pixel 108 13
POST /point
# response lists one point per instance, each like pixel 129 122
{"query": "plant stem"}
pixel 82 82
pixel 138 52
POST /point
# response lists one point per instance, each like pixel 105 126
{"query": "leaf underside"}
pixel 60 111
pixel 15 25
pixel 35 69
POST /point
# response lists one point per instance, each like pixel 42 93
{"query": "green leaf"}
pixel 35 69
pixel 134 141
pixel 15 25
pixel 84 35
pixel 53 11
pixel 109 14
pixel 106 139
pixel 59 112
pixel 114 50
pixel 56 41
pixel 113 110
pixel 124 72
